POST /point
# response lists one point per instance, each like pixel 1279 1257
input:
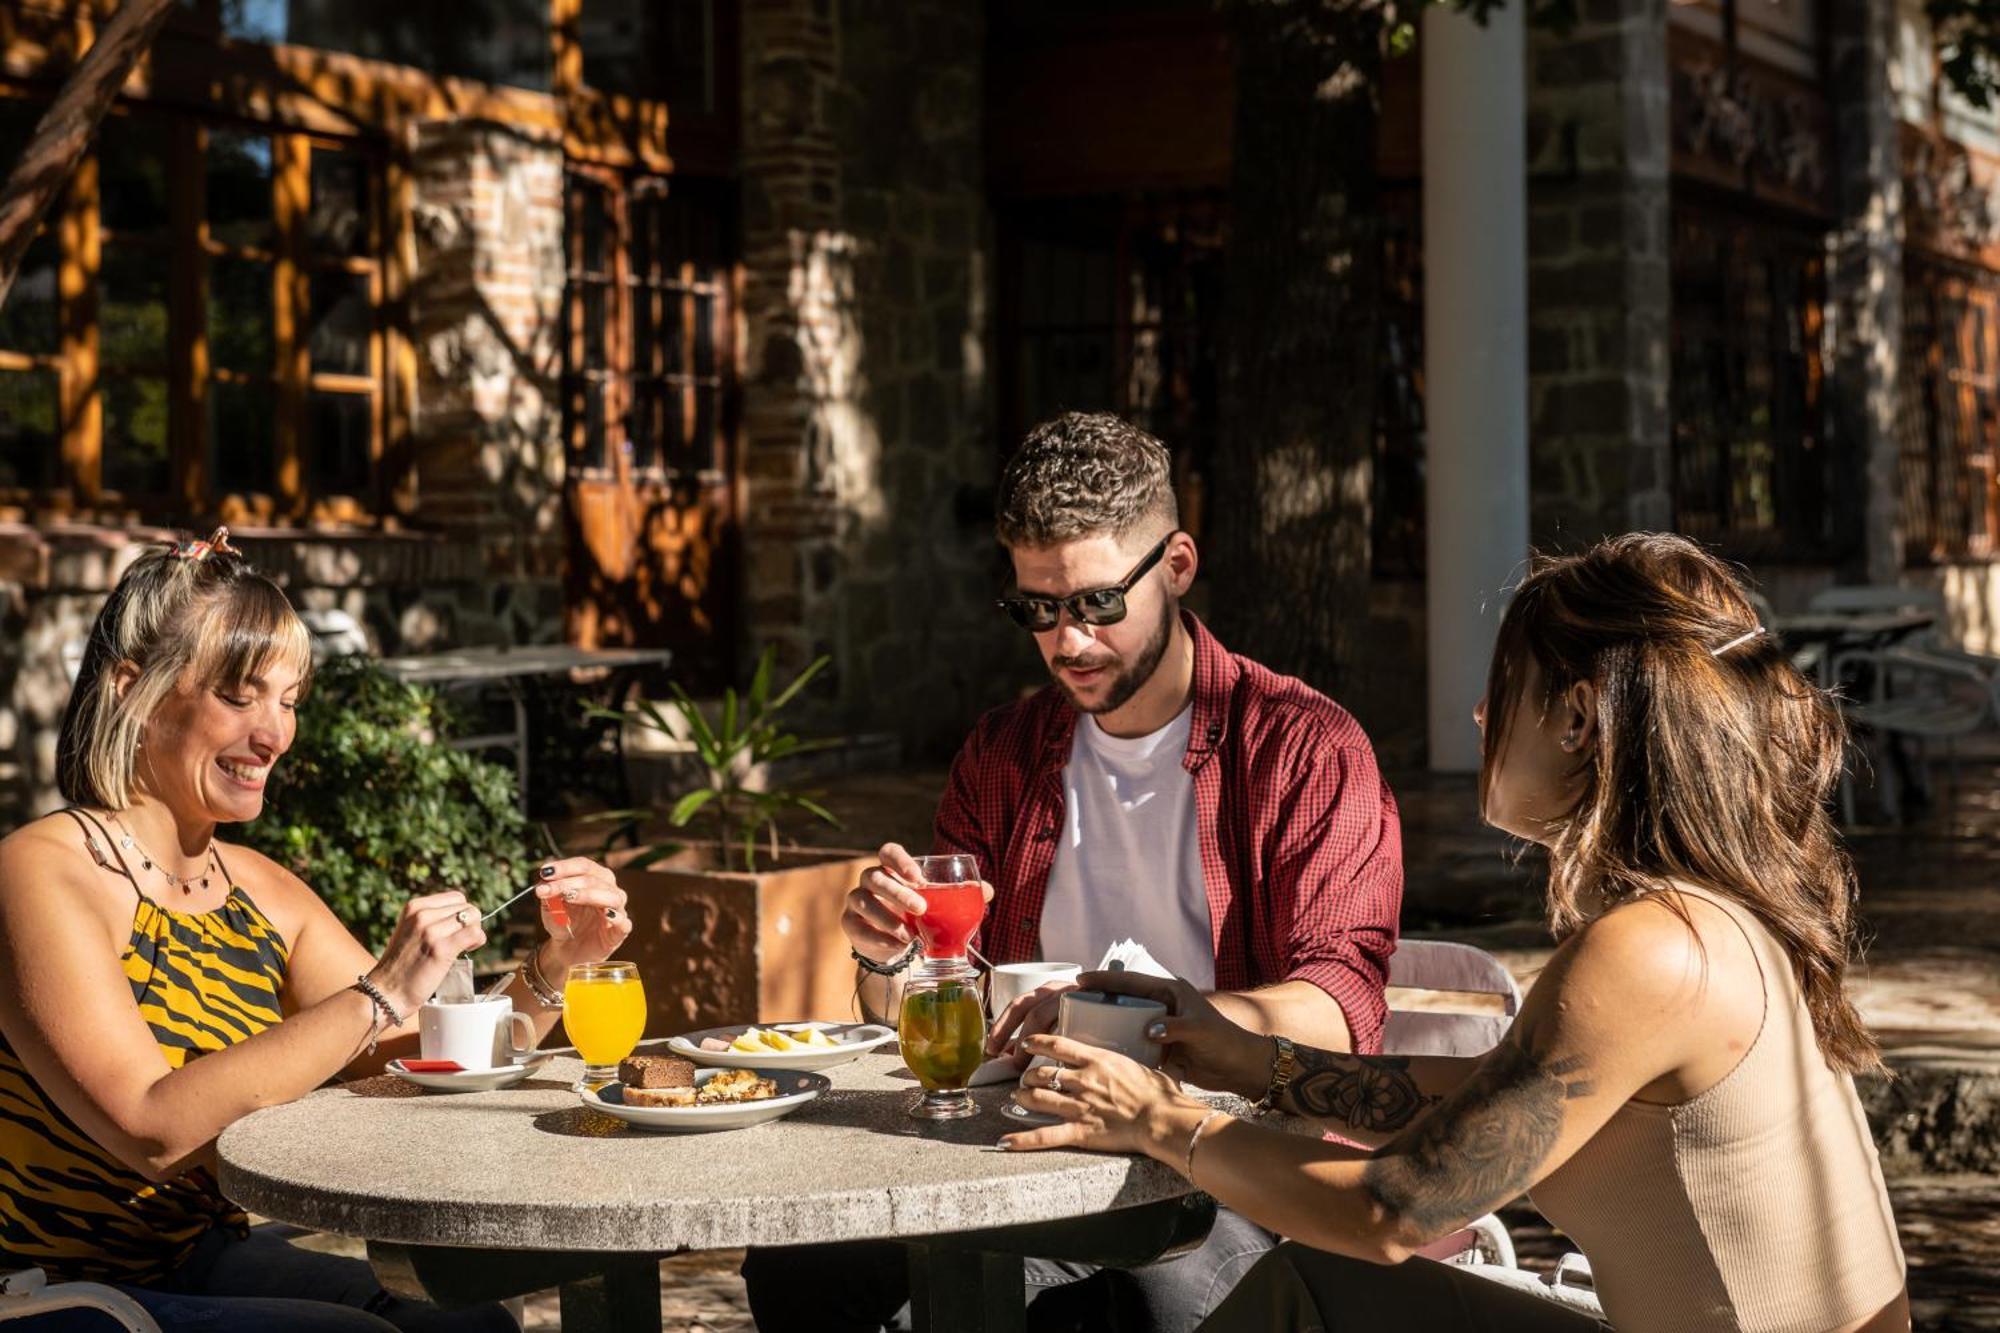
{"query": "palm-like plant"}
pixel 743 738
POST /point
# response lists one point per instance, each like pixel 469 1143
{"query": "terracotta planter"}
pixel 717 947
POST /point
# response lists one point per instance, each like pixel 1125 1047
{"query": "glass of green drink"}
pixel 942 1034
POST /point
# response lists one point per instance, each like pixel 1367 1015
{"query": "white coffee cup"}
pixel 476 1034
pixel 1114 1022
pixel 1008 982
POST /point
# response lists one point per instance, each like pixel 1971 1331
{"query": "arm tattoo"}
pixel 1362 1092
pixel 1483 1145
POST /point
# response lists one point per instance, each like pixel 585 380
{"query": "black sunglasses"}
pixel 1094 606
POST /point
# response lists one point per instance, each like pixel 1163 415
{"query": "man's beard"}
pixel 1127 682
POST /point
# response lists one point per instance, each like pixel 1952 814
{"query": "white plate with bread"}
pixel 802 1046
pixel 669 1094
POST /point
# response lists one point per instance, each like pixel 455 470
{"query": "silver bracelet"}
pixel 538 985
pixel 1195 1138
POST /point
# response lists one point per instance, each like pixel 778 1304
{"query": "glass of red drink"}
pixel 954 902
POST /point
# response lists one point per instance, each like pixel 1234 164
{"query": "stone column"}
pixel 1475 355
pixel 1598 275
pixel 867 447
pixel 1865 280
pixel 797 299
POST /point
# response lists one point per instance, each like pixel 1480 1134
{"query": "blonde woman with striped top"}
pixel 133 941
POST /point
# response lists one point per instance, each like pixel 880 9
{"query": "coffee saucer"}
pixel 472 1080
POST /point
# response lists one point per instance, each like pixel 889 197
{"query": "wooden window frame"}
pixel 298 94
pixel 187 365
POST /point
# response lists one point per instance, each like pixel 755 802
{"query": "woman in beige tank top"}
pixel 1677 1092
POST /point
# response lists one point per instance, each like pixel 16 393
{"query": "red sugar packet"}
pixel 433 1067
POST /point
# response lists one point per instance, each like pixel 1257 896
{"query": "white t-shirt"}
pixel 1128 863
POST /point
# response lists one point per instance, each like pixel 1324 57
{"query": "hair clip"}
pixel 217 544
pixel 1736 642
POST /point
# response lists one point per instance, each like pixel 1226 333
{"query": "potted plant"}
pixel 737 926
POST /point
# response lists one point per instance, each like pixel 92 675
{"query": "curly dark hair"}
pixel 1084 474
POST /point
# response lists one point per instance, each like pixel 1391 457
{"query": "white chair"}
pixel 1482 1246
pixel 28 1291
pixel 1439 965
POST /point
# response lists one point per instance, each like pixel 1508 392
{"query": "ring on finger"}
pixel 460 915
pixel 1055 1079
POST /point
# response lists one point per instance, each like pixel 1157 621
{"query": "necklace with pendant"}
pixel 187 884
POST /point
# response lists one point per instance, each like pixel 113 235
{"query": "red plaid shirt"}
pixel 1301 851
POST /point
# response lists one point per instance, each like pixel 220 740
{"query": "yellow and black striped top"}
pixel 202 981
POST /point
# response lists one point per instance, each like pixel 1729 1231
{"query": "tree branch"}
pixel 66 129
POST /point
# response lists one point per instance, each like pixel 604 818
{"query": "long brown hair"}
pixel 1712 764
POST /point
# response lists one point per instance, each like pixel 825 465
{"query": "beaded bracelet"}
pixel 538 985
pixel 381 1009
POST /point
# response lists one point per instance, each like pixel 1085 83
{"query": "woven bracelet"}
pixel 888 969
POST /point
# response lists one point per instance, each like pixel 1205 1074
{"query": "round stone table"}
pixel 478 1196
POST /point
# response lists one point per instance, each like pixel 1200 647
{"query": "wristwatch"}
pixel 1284 1064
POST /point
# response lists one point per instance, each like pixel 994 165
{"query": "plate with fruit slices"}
pixel 803 1046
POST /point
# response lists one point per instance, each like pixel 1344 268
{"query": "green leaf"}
pixel 687 806
pixel 799 682
pixel 760 683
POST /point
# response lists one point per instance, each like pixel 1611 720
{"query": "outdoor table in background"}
pixel 1834 631
pixel 511 668
pixel 484 1196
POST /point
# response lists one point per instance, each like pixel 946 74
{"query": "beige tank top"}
pixel 1757 1206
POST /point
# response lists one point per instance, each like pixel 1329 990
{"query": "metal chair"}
pixel 26 1292
pixel 1918 697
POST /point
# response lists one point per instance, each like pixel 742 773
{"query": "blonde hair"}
pixel 188 616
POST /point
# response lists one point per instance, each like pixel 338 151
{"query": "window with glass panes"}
pixel 220 303
pixel 646 315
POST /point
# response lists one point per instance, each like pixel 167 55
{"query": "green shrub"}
pixel 371 808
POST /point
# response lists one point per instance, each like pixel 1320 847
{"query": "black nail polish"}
pixel 548 872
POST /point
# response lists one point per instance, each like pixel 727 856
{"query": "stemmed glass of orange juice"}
pixel 604 1012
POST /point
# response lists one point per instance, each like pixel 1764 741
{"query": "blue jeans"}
pixel 864 1287
pixel 266 1283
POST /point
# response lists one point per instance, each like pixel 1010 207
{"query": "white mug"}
pixel 475 1034
pixel 1008 982
pixel 1115 1022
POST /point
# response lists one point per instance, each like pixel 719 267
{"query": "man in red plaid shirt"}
pixel 1230 819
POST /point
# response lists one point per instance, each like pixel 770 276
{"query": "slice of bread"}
pixel 656 1071
pixel 659 1096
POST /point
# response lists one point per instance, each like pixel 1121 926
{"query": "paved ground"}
pixel 1931 986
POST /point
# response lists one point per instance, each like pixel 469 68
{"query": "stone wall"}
pixel 486 316
pixel 868 446
pixel 1598 291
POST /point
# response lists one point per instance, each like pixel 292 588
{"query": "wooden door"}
pixel 651 392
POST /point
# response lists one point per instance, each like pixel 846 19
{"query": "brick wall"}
pixel 486 316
